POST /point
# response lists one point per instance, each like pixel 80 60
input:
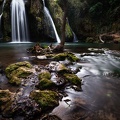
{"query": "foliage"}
pixel 96 10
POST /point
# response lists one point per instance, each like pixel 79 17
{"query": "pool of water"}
pixel 100 73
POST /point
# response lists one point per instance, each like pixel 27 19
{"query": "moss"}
pixel 68 31
pixel 21 72
pixel 73 79
pixel 46 99
pixel 66 55
pixel 44 74
pixel 14 66
pixel 62 68
pixel 6 22
pixel 46 84
pixel 6 98
pixel 17 71
pixel 56 13
pixel 15 80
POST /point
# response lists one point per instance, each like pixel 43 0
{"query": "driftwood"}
pixel 38 49
pixel 109 37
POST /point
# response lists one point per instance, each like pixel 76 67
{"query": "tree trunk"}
pixel 60 46
pixel 64 22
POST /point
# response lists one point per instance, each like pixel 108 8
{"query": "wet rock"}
pixel 6 100
pixel 19 70
pixel 66 55
pixel 46 99
pixel 50 117
pixel 45 80
pixel 26 108
pixel 57 66
pixel 96 50
pixel 59 81
pixel 44 74
pixel 73 79
pixel 46 84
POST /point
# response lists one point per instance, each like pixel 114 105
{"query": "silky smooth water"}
pixel 19 22
pixel 49 19
pixel 100 74
pixel 1 14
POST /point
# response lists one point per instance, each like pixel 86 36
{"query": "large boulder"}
pixel 46 99
pixel 35 19
pixel 6 22
pixel 19 70
pixel 6 100
pixel 44 80
pixel 66 55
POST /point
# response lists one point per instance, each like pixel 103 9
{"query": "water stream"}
pixel 1 13
pixel 49 18
pixel 19 22
pixel 100 74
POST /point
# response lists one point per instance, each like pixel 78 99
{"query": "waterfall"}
pixel 19 22
pixel 75 39
pixel 1 13
pixel 47 13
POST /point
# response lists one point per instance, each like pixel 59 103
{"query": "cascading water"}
pixel 1 13
pixel 48 16
pixel 19 22
pixel 75 39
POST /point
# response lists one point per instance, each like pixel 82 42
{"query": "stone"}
pixel 46 99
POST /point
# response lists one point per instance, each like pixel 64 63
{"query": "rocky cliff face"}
pixel 35 19
pixel 6 21
pixel 88 19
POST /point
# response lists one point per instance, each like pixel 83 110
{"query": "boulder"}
pixel 66 55
pixel 6 100
pixel 19 70
pixel 46 99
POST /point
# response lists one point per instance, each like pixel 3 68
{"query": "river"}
pixel 100 73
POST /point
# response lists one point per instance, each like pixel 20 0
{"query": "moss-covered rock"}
pixel 46 99
pixel 68 32
pixel 6 99
pixel 36 19
pixel 57 15
pixel 57 67
pixel 15 66
pixel 17 71
pixel 44 74
pixel 46 84
pixel 66 55
pixel 73 79
pixel 6 23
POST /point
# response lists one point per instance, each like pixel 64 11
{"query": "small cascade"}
pixel 1 13
pixel 48 16
pixel 75 39
pixel 19 22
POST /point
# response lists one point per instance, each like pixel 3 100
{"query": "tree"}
pixel 64 5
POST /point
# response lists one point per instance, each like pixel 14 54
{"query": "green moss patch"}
pixel 73 79
pixel 46 99
pixel 46 84
pixel 19 70
pixel 66 55
pixel 44 74
pixel 6 98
